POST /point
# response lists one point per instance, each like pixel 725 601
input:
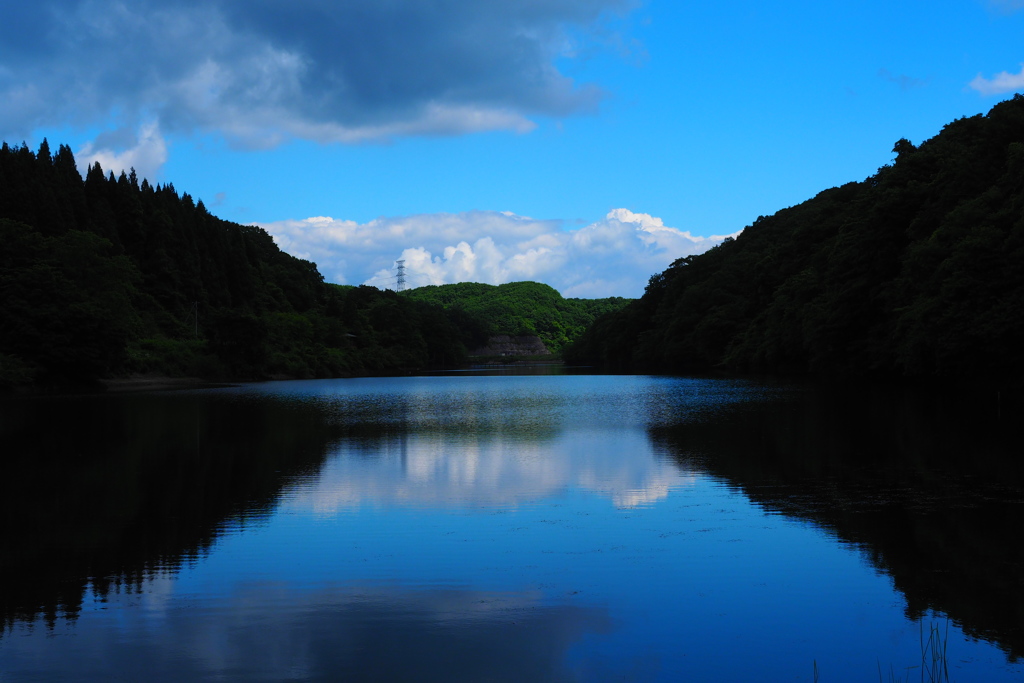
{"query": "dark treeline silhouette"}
pixel 927 485
pixel 914 272
pixel 110 275
pixel 517 309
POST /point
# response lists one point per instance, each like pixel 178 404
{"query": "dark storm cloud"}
pixel 259 71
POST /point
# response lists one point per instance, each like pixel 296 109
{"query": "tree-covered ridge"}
pixel 916 271
pixel 516 309
pixel 111 275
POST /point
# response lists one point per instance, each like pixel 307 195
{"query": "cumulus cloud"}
pixel 261 72
pixel 999 84
pixel 144 150
pixel 611 257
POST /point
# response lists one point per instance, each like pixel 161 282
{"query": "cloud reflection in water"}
pixel 272 631
pixel 430 470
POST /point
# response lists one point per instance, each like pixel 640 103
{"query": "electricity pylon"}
pixel 401 275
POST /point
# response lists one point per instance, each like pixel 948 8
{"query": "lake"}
pixel 509 526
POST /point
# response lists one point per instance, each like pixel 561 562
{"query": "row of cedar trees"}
pixel 109 275
pixel 918 271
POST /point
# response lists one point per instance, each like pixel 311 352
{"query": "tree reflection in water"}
pixel 107 497
pixel 106 491
pixel 929 485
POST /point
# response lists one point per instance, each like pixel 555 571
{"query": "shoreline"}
pixel 136 383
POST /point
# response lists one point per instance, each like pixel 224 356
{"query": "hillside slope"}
pixel 918 271
pixel 517 308
pixel 106 276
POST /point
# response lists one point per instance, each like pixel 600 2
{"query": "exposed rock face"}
pixel 504 345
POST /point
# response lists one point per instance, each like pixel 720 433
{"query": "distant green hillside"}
pixel 917 271
pixel 517 308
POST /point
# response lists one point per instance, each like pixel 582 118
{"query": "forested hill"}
pixel 106 276
pixel 917 271
pixel 518 308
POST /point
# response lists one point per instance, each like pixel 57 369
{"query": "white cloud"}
pixel 999 84
pixel 145 151
pixel 611 257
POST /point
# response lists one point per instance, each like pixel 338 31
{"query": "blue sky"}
pixel 583 143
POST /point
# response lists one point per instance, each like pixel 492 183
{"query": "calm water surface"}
pixel 507 528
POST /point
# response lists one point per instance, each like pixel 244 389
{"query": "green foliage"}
pixel 15 373
pixel 66 313
pixel 107 276
pixel 913 272
pixel 173 357
pixel 516 308
pixel 390 332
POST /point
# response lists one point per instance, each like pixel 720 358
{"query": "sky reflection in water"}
pixel 502 528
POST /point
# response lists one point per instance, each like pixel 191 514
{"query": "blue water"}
pixel 493 528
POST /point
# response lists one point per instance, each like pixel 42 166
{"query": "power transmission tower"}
pixel 401 275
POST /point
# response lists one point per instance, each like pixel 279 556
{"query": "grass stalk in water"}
pixel 934 666
pixel 934 660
